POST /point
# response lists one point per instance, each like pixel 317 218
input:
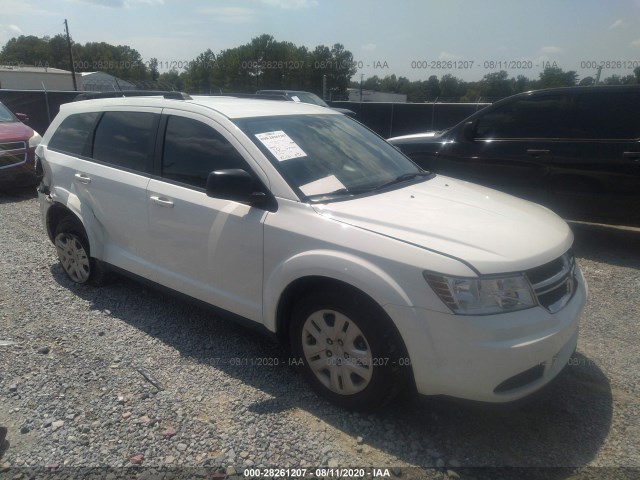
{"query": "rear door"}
pixel 208 248
pixel 107 158
pixel 596 165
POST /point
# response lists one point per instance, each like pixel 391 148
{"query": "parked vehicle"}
pixel 575 150
pixel 379 276
pixel 17 149
pixel 305 97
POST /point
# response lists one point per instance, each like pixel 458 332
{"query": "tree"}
pixel 495 85
pixel 153 69
pixel 556 77
pixel 28 50
pixel 451 87
pixel 587 82
pixel 431 88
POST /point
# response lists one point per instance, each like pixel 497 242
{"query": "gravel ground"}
pixel 124 376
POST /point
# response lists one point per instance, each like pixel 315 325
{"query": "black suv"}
pixel 575 150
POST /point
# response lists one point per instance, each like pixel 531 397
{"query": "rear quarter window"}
pixel 73 134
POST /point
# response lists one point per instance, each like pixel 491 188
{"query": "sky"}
pixel 410 38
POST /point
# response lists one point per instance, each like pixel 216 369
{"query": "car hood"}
pixel 13 131
pixel 492 231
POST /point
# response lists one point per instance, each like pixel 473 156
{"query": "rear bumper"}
pixel 495 358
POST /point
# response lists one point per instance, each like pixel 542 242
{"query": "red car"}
pixel 17 150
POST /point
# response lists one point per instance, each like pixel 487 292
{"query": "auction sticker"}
pixel 281 145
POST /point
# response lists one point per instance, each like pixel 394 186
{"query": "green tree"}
pixel 495 85
pixel 451 87
pixel 27 50
pixel 556 77
pixel 153 69
pixel 587 82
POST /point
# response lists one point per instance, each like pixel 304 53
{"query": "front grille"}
pixel 12 153
pixel 554 283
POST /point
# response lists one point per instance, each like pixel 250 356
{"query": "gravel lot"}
pixel 124 375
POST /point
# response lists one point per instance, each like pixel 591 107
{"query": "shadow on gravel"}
pixel 15 195
pixel 564 425
pixel 614 245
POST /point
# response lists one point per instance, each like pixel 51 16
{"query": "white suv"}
pixel 378 275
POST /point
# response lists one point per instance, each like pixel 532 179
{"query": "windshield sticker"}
pixel 295 98
pixel 323 185
pixel 281 145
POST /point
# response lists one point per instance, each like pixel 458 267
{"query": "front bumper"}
pixel 493 358
pixel 19 175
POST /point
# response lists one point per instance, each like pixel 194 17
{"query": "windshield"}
pixel 328 157
pixel 306 97
pixel 6 115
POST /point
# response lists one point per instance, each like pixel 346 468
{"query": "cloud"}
pixel 121 3
pixel 550 50
pixel 636 43
pixel 18 7
pixel 232 15
pixel 369 47
pixel 617 24
pixel 8 31
pixel 290 4
pixel 14 29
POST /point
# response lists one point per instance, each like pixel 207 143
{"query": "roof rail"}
pixel 259 96
pixel 132 93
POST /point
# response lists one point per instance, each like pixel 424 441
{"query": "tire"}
pixel 348 349
pixel 72 247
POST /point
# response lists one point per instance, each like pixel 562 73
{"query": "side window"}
pixel 124 139
pixel 607 116
pixel 536 117
pixel 193 149
pixel 72 136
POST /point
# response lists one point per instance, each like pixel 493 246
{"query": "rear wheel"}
pixel 72 247
pixel 349 350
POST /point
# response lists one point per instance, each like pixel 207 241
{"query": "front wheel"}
pixel 350 352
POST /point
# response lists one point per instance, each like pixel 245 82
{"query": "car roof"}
pixel 230 107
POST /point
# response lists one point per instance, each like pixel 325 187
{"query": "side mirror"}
pixel 22 117
pixel 234 184
pixel 468 131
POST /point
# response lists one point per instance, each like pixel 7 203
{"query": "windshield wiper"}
pixel 403 178
pixel 369 188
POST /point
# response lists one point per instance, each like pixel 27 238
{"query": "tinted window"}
pixel 607 115
pixel 192 150
pixel 72 136
pixel 537 117
pixel 124 139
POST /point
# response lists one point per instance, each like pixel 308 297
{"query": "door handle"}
pixel 631 156
pixel 82 178
pixel 163 202
pixel 538 153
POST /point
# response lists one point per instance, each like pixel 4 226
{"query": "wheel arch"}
pixel 303 285
pixel 55 214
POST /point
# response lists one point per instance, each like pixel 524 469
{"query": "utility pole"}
pixel 73 70
pixel 361 77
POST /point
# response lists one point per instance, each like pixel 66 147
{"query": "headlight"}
pixel 483 295
pixel 34 141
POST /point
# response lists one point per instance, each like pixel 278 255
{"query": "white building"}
pixel 36 78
